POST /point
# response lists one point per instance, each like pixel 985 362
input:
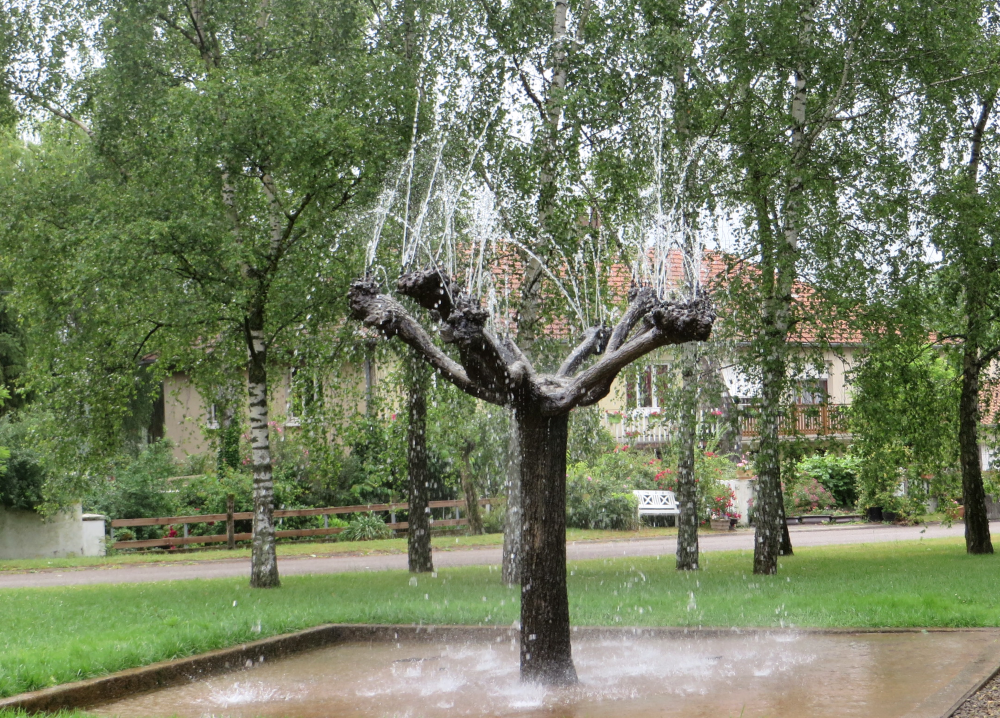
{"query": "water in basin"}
pixel 752 675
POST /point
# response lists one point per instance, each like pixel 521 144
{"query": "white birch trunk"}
pixel 263 556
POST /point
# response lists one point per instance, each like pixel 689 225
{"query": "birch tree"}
pixel 556 160
pixel 956 80
pixel 805 75
pixel 678 50
pixel 239 132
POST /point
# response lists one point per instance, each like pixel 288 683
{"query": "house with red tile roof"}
pixel 633 412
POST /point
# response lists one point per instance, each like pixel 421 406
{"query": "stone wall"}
pixel 25 534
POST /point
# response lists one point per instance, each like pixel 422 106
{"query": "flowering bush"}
pixel 723 505
pixel 837 474
pixel 806 496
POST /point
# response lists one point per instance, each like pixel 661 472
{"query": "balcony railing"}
pixel 644 427
pixel 800 419
pixel 640 427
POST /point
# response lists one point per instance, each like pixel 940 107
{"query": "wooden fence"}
pixel 230 537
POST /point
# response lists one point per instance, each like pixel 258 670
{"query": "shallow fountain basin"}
pixel 636 673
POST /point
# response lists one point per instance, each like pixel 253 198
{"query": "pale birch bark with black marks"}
pixel 690 356
pixel 771 537
pixel 263 555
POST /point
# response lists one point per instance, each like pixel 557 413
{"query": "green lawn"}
pixel 55 635
pixel 364 548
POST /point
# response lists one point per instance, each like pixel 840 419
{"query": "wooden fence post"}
pixel 230 523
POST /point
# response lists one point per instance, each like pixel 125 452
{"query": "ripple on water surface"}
pixel 750 675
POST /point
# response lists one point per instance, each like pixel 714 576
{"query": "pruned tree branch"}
pixel 594 341
pixel 673 323
pixel 496 370
pixel 387 315
pixel 641 301
pixel 486 360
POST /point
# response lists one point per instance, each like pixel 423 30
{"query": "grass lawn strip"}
pixel 313 549
pixel 69 633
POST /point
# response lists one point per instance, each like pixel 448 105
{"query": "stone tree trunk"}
pixel 545 643
pixel 494 369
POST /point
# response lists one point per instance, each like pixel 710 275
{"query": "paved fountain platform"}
pixel 625 672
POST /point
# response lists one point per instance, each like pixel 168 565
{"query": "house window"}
pixel 212 421
pixel 810 391
pixel 647 391
pixel 305 394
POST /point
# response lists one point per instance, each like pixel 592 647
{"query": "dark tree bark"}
pixel 495 369
pixel 418 535
pixel 545 635
pixel 785 547
pixel 469 489
pixel 687 489
pixel 977 525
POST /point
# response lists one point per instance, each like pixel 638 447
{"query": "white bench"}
pixel 657 503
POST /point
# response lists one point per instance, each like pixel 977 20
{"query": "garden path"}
pixel 802 536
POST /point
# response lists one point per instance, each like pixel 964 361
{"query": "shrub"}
pixel 366 527
pixel 599 502
pixel 837 474
pixel 139 490
pixel 806 496
pixel 207 494
pixel 590 488
pixel 723 504
pixel 22 476
pixel 493 520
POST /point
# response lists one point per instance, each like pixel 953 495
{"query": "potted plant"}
pixel 724 515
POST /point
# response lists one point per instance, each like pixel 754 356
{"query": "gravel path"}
pixel 984 704
pixel 576 551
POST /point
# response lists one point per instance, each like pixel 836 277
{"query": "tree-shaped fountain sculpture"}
pixel 494 369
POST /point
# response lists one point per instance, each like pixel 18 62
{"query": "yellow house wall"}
pixel 838 362
pixel 184 416
pixel 186 412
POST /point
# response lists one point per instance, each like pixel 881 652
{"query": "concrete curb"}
pixel 105 689
pixel 970 693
